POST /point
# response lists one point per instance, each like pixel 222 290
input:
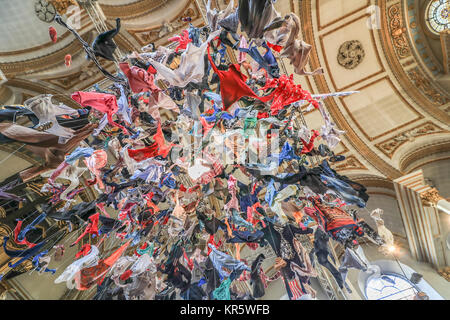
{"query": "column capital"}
pixel 431 197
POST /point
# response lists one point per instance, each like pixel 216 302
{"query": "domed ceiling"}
pixel 382 49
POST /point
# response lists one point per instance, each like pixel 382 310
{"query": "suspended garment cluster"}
pixel 177 211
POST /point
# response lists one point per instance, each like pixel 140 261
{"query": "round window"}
pixel 437 15
pixel 390 287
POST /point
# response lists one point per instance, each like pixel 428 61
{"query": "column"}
pixel 420 215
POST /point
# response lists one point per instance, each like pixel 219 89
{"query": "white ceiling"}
pixel 21 28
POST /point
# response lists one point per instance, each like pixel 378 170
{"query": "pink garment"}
pixel 183 40
pixel 106 103
pixel 57 172
pixel 242 55
pixel 206 126
pixel 92 228
pixel 139 79
pixel 126 211
pixel 98 160
pixel 101 207
pixel 233 203
pixel 216 169
pixel 160 100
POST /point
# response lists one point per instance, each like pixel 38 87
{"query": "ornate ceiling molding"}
pixel 421 153
pixel 13 69
pixel 391 145
pixel 350 163
pixel 391 16
pixel 152 34
pixel 41 89
pixel 413 10
pixel 398 32
pixel 61 6
pixel 374 182
pixel 132 10
pixel 365 151
pixel 78 79
pixel 351 54
pixel 426 87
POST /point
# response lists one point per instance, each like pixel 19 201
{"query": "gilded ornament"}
pixel 431 197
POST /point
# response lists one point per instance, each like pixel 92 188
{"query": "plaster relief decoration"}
pixel 389 146
pixel 147 36
pixel 417 37
pixel 45 11
pixel 430 197
pixel 398 31
pixel 68 81
pixel 178 160
pixel 425 87
pixel 351 163
pixel 351 54
pixel 87 71
pixel 61 6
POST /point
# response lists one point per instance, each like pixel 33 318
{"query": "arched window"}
pixel 390 287
pixel 437 15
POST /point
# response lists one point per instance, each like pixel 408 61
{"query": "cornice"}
pixel 12 69
pixel 412 157
pixel 391 145
pixel 42 89
pixel 374 182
